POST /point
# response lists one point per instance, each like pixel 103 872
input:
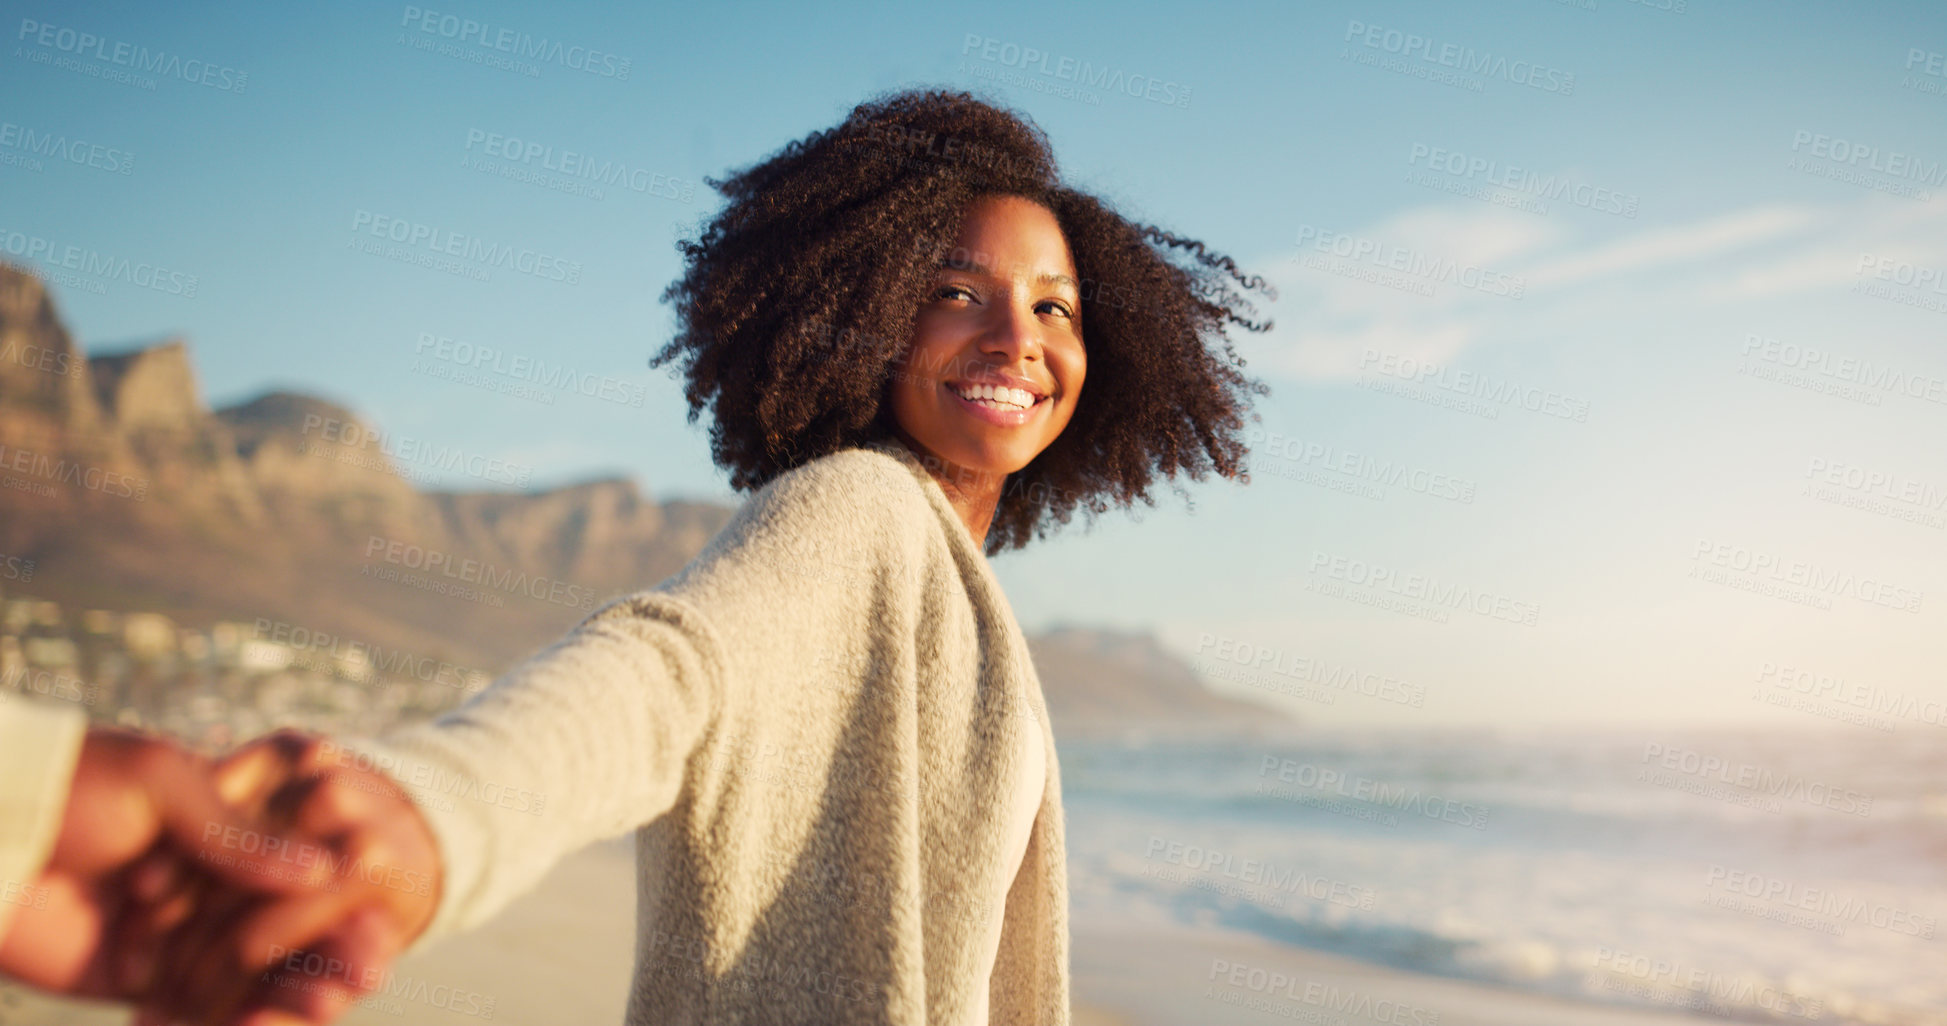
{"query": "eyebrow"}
pixel 1051 278
pixel 1044 278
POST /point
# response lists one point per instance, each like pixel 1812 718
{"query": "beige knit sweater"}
pixel 813 729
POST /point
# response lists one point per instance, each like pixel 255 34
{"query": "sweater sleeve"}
pixel 590 737
pixel 39 743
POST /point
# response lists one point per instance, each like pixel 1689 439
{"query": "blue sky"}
pixel 1641 219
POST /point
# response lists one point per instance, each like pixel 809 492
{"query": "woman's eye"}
pixel 1060 308
pixel 950 291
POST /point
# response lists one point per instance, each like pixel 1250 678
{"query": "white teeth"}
pixel 997 396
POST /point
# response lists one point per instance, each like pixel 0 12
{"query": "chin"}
pixel 995 456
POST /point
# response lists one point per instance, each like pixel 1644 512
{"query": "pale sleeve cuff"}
pixel 40 742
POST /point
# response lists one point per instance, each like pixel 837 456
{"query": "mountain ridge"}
pixel 130 493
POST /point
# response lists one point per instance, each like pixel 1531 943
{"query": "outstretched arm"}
pixel 594 735
pixel 455 817
pixel 585 740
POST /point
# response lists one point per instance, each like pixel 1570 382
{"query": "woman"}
pixel 919 348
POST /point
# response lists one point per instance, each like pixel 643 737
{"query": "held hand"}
pixel 365 881
pixel 140 811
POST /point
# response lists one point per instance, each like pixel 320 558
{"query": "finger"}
pixel 335 805
pixel 158 874
pixel 280 927
pixel 258 768
pixel 134 952
pixel 53 939
pixel 245 851
pixel 317 985
pixel 272 1017
pixel 197 968
pixel 244 776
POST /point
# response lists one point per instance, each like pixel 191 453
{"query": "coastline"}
pixel 1163 976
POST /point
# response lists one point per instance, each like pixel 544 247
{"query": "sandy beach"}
pixel 561 954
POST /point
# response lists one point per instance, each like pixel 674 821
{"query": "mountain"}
pixel 130 494
pixel 1102 682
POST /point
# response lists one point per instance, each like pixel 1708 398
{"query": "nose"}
pixel 1015 334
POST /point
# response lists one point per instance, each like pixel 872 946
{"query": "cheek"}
pixel 1074 375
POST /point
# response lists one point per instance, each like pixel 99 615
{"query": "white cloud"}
pixel 1327 320
pixel 1664 247
pixel 1880 226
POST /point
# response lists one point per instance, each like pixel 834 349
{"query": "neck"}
pixel 973 494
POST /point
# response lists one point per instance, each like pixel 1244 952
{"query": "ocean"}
pixel 1769 877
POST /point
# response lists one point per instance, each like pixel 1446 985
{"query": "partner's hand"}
pixel 369 882
pixel 139 809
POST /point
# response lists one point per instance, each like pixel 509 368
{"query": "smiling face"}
pixel 995 365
